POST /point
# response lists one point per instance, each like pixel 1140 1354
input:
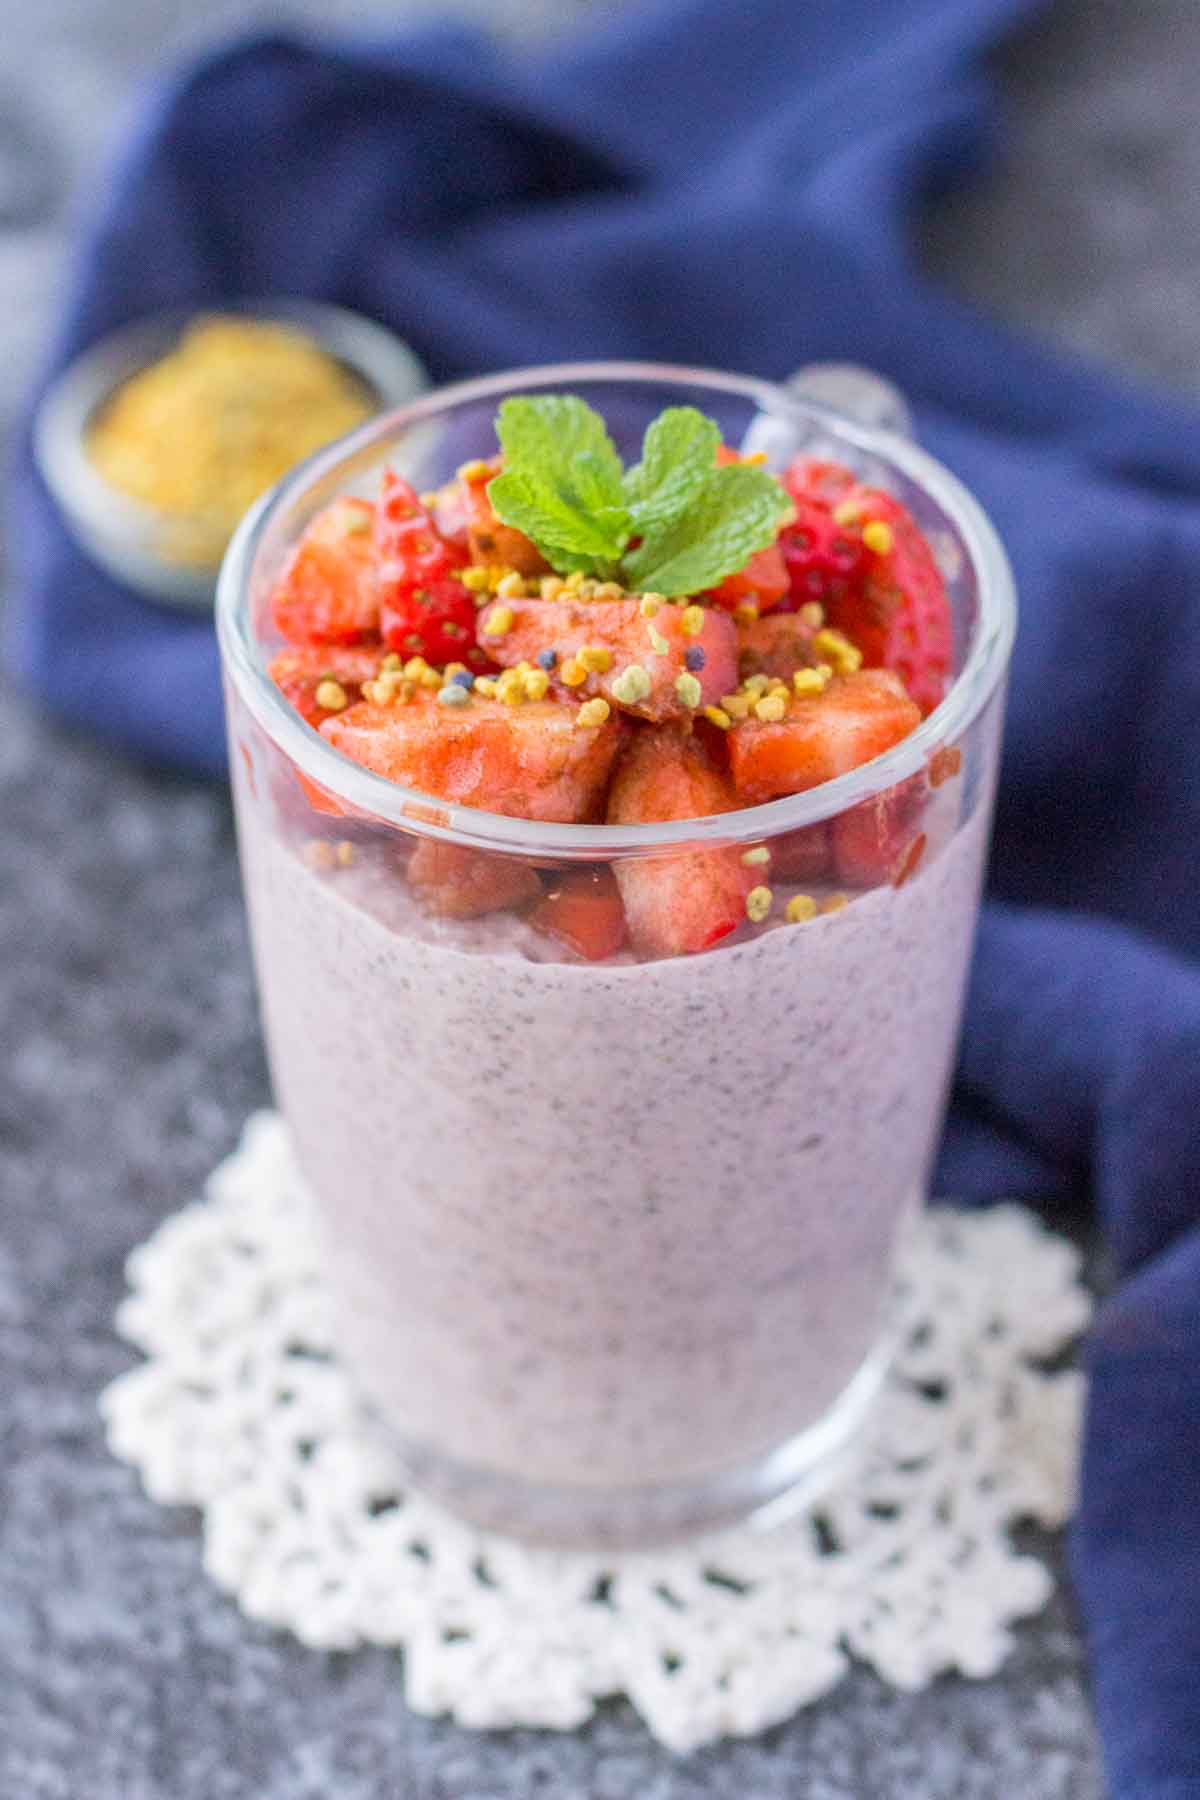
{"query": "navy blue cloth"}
pixel 733 184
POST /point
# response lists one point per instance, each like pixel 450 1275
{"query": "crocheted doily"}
pixel 241 1409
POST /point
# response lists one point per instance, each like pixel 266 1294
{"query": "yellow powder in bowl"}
pixel 197 436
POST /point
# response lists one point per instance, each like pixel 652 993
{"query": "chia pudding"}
pixel 607 1226
pixel 615 1066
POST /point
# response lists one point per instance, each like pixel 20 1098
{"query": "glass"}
pixel 611 1243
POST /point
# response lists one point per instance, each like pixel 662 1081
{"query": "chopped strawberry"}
pixel 327 593
pixel 582 909
pixel 424 608
pixel 823 559
pixel 491 541
pixel 821 736
pixel 778 646
pixel 764 580
pixel 453 882
pixel 299 673
pixel 887 595
pixel 873 841
pixel 559 629
pixel 685 902
pixel 802 855
pixel 530 761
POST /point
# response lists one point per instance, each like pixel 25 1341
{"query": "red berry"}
pixel 424 609
pixel 887 596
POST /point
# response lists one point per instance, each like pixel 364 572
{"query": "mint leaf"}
pixel 562 481
pixel 736 511
pixel 678 452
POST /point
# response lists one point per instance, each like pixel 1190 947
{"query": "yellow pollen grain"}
pixel 650 605
pixel 845 657
pixel 746 612
pixel 688 689
pixel 592 712
pixel 759 854
pixel 595 658
pixel 609 590
pixel 878 537
pixel 809 681
pixel 692 622
pixel 431 679
pixel 499 621
pixel 758 904
pixel 812 613
pixel 475 470
pixel 391 661
pixel 453 668
pixel 551 587
pixel 331 695
pixel 718 717
pixel 631 685
pixel 573 672
pixel 575 580
pixel 736 705
pixel 537 683
pixel 846 512
pixel 799 908
pixel 756 459
pixel 415 667
pixel 757 684
pixel 771 708
pixel 835 903
pixel 486 687
pixel 512 587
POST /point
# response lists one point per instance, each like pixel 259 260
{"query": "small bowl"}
pixel 119 533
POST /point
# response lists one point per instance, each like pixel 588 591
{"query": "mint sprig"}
pixel 690 522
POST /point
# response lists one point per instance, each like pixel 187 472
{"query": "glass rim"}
pixel 377 798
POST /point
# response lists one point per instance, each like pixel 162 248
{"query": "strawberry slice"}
pixel 530 761
pixel 583 910
pixel 552 632
pixel 778 645
pixel 821 736
pixel 300 672
pixel 678 904
pixel 490 540
pixel 327 593
pixel 424 608
pixel 803 855
pixel 874 841
pixel 453 882
pixel 765 580
pixel 859 551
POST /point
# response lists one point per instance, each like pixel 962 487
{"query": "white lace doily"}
pixel 242 1410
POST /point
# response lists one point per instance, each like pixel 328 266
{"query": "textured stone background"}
pixel 129 1052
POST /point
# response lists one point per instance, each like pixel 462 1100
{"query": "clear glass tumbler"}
pixel 611 1243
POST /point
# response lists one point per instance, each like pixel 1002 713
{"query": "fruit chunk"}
pixel 530 761
pixel 300 673
pixel 619 626
pixel 764 580
pixel 489 539
pixel 684 902
pixel 453 882
pixel 859 551
pixel 582 909
pixel 424 608
pixel 778 645
pixel 821 736
pixel 327 593
pixel 874 841
pixel 802 855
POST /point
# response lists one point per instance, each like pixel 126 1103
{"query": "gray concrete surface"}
pixel 129 1055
